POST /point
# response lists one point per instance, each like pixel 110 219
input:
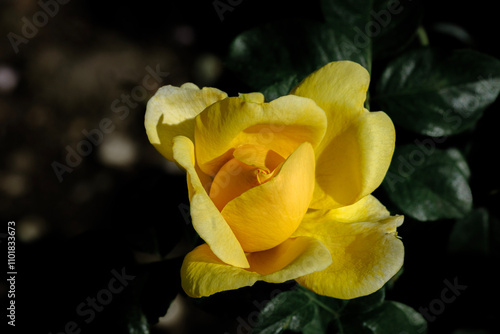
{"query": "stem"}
pixel 330 310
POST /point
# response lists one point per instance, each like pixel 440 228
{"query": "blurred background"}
pixel 83 184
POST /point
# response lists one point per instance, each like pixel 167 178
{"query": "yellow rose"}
pixel 282 190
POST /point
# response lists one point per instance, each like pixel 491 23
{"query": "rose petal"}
pixel 207 219
pixel 339 88
pixel 258 156
pixel 203 274
pixel 252 165
pixel 268 214
pixel 252 97
pixel 171 112
pixel 365 254
pixel 356 151
pixel 233 179
pixel 366 209
pixel 356 161
pixel 281 126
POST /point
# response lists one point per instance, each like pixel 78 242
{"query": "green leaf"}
pixel 291 310
pixel 398 22
pixel 366 303
pixel 280 88
pixel 380 27
pixel 349 13
pixel 319 323
pixel 391 318
pixel 438 94
pixel 274 57
pixel 428 183
pixel 471 234
pixel 137 322
pixel 304 311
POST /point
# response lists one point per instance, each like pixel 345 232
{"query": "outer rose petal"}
pixel 171 112
pixel 367 209
pixel 339 88
pixel 207 220
pixel 203 274
pixel 268 214
pixel 355 162
pixel 365 254
pixel 357 148
pixel 281 125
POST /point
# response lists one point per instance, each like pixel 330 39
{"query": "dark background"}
pixel 123 200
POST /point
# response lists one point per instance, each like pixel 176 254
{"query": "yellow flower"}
pixel 282 190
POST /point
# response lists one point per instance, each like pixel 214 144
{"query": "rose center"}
pixel 251 165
